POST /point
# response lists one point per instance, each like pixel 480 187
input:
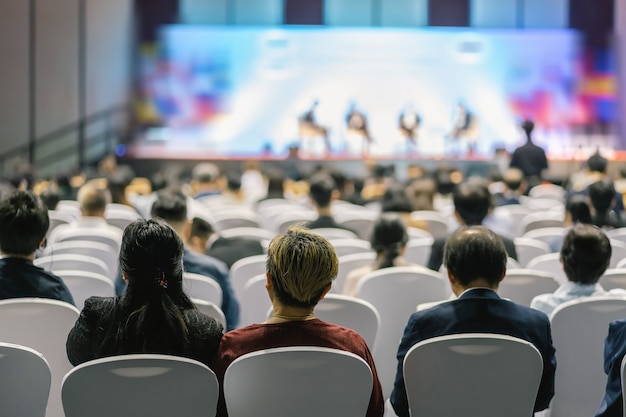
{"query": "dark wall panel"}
pixel 594 19
pixel 448 12
pixel 304 12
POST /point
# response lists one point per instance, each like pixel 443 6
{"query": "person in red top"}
pixel 300 268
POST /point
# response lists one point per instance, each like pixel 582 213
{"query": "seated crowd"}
pixel 178 230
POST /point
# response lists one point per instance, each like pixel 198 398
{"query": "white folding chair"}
pixel 345 247
pixel 254 233
pixel 437 222
pixel 579 328
pixel 613 279
pixel 121 218
pixel 617 234
pixel 350 312
pixel 500 376
pixel 255 301
pixel 202 288
pixel 69 261
pixel 211 310
pixel 552 236
pixel 418 250
pixel 24 381
pixel 301 381
pixel 542 204
pixel 618 252
pixel 140 385
pixel 542 219
pixel 348 263
pixel 334 233
pixel 395 292
pixel 231 219
pixel 415 233
pixel 85 284
pixel 552 191
pixel 244 269
pixel 284 219
pixel 111 237
pixel 550 263
pixel 528 249
pixel 522 285
pixel 59 217
pixel 42 325
pixel 97 250
pixel 361 221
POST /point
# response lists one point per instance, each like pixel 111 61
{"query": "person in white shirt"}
pixel 585 255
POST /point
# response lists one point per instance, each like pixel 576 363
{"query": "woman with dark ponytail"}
pixel 388 239
pixel 153 315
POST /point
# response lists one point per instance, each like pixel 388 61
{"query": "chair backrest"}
pixel 334 233
pixel 614 278
pixel 284 219
pixel 437 222
pixel 202 288
pixel 350 246
pixel 528 249
pixel 43 325
pixel 231 219
pixel 542 204
pixel 140 385
pixel 617 234
pixel 618 252
pixel 255 233
pixel 97 250
pixel 244 269
pixel 550 263
pixel 348 263
pixel 84 284
pixel 395 292
pixel 418 250
pixel 106 236
pixel 579 328
pixel 522 285
pixel 298 381
pixel 552 236
pixel 350 312
pixel 211 310
pixel 24 381
pixel 553 191
pixel 493 376
pixel 361 221
pixel 59 217
pixel 541 220
pixel 254 301
pixel 71 261
pixel 121 218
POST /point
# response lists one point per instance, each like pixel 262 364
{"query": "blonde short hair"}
pixel 302 264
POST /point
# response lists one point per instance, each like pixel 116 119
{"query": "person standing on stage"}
pixel 530 158
pixel 308 120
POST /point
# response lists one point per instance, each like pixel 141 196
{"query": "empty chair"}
pixel 85 284
pixel 121 218
pixel 542 219
pixel 418 250
pixel 334 233
pixel 24 381
pixel 97 250
pixel 522 285
pixel 579 328
pixel 254 301
pixel 350 246
pixel 140 385
pixel 68 261
pixel 613 279
pixel 254 233
pixel 528 249
pixel 618 252
pixel 231 219
pixel 552 236
pixel 360 221
pixel 211 310
pixel 437 222
pixel 243 270
pixel 499 376
pixel 42 325
pixel 617 234
pixel 395 293
pixel 202 288
pixel 350 312
pixel 349 263
pixel 323 382
pixel 550 263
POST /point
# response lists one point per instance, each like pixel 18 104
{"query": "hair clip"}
pixel 161 280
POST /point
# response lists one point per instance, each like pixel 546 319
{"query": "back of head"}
pixel 472 202
pixel 389 236
pixel 585 254
pixel 602 195
pixel 23 223
pixel 170 206
pixel 395 199
pixel 233 182
pixel 528 126
pixel 201 228
pixel 321 190
pixel 92 200
pixel 578 210
pixel 205 173
pixel 301 264
pixel 513 178
pixel 474 253
pixel 597 163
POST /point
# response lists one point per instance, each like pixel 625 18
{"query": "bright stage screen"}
pixel 244 91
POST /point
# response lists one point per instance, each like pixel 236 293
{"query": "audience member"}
pixel 577 212
pixel 23 225
pixel 172 208
pixel 154 315
pixel 476 258
pixel 585 256
pixel 205 180
pixel 300 268
pixel 602 197
pixel 322 191
pixel 472 203
pixel 388 239
pixel 514 187
pixel 612 404
pixel 530 158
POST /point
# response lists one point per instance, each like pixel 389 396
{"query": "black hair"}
pixel 321 190
pixel 472 201
pixel 476 252
pixel 528 126
pixel 170 206
pixel 602 196
pixel 395 199
pixel 578 210
pixel 586 253
pixel 233 181
pixel 150 316
pixel 200 228
pixel 24 223
pixel 597 163
pixel 388 237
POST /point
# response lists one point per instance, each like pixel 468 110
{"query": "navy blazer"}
pixel 479 310
pixel 614 351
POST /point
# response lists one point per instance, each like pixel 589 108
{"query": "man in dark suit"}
pixel 530 158
pixel 472 202
pixel 476 261
pixel 614 351
pixel 322 192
